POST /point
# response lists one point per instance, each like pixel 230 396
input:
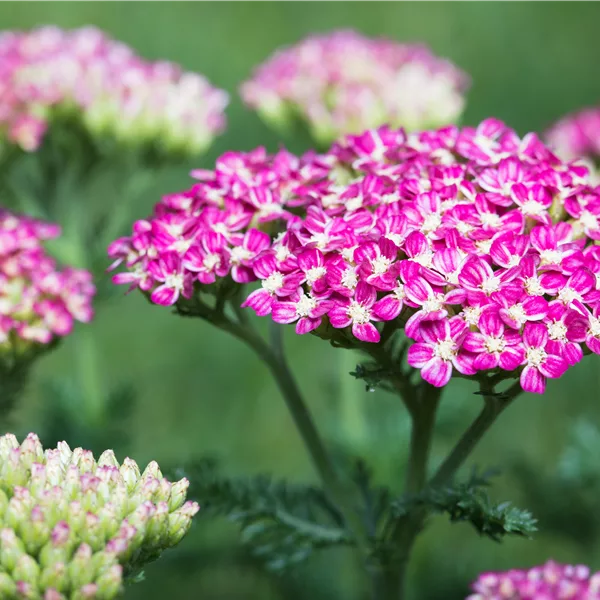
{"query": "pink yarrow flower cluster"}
pixel 38 302
pixel 551 581
pixel 343 82
pixel 48 72
pixel 479 244
pixel 577 135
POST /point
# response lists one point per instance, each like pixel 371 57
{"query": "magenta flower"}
pixel 551 581
pixel 275 283
pixel 357 312
pixel 439 351
pixel 304 309
pixel 476 243
pixel 539 364
pixel 494 344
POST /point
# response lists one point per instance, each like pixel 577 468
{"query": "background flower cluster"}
pixel 49 73
pixel 38 301
pixel 343 82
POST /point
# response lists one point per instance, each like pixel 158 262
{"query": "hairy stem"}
pixel 273 356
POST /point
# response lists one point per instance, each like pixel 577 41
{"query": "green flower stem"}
pixel 12 385
pixel 405 531
pixel 350 398
pixel 273 356
pixel 493 407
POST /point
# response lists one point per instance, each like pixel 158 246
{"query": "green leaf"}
pixel 469 502
pixel 282 523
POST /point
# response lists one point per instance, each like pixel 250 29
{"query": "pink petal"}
pixel 535 335
pixel 284 312
pixel 338 317
pixel 532 380
pixel 490 323
pixel 474 342
pixel 536 308
pixel 306 325
pixel 418 290
pixel 164 295
pixel 485 361
pixel 553 366
pixel 419 354
pixel 365 294
pixel 437 372
pixel 512 357
pixel 367 332
pixel 260 301
pixel 388 308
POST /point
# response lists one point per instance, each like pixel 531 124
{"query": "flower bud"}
pixel 178 493
pixel 56 501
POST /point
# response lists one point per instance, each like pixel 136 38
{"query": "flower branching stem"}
pixel 401 534
pixel 273 355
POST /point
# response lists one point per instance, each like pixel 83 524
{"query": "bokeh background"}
pixel 198 393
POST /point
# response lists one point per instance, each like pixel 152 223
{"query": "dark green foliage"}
pixel 282 523
pixel 469 502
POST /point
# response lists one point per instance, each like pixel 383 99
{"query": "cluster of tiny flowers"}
pixel 38 302
pixel 72 528
pixel 480 245
pixel 48 72
pixel 548 582
pixel 343 83
pixel 577 136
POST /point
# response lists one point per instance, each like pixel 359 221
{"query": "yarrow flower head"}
pixel 577 136
pixel 547 582
pixel 38 302
pixel 343 82
pixel 49 73
pixel 73 527
pixel 478 244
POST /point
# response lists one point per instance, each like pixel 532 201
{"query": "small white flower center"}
pixel 305 306
pixel 353 204
pixel 389 198
pixel 221 228
pixel 174 280
pixel 567 295
pixel 182 245
pixel 551 257
pixel 536 356
pixel 532 208
pixel 239 254
pixel 484 246
pixel 282 253
pixel 471 314
pixel 273 282
pixel 463 228
pixel 490 220
pixel 349 279
pixel 358 313
pixel 211 261
pixel 425 259
pixel 315 273
pixel 320 239
pixel 594 327
pixel 491 285
pixel 431 222
pixel 446 350
pixel 494 344
pixel 557 331
pixel 434 304
pixel 380 265
pixel 517 313
pixel 399 292
pixel 533 286
pixel 588 220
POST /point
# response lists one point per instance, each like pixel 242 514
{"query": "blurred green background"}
pixel 201 393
